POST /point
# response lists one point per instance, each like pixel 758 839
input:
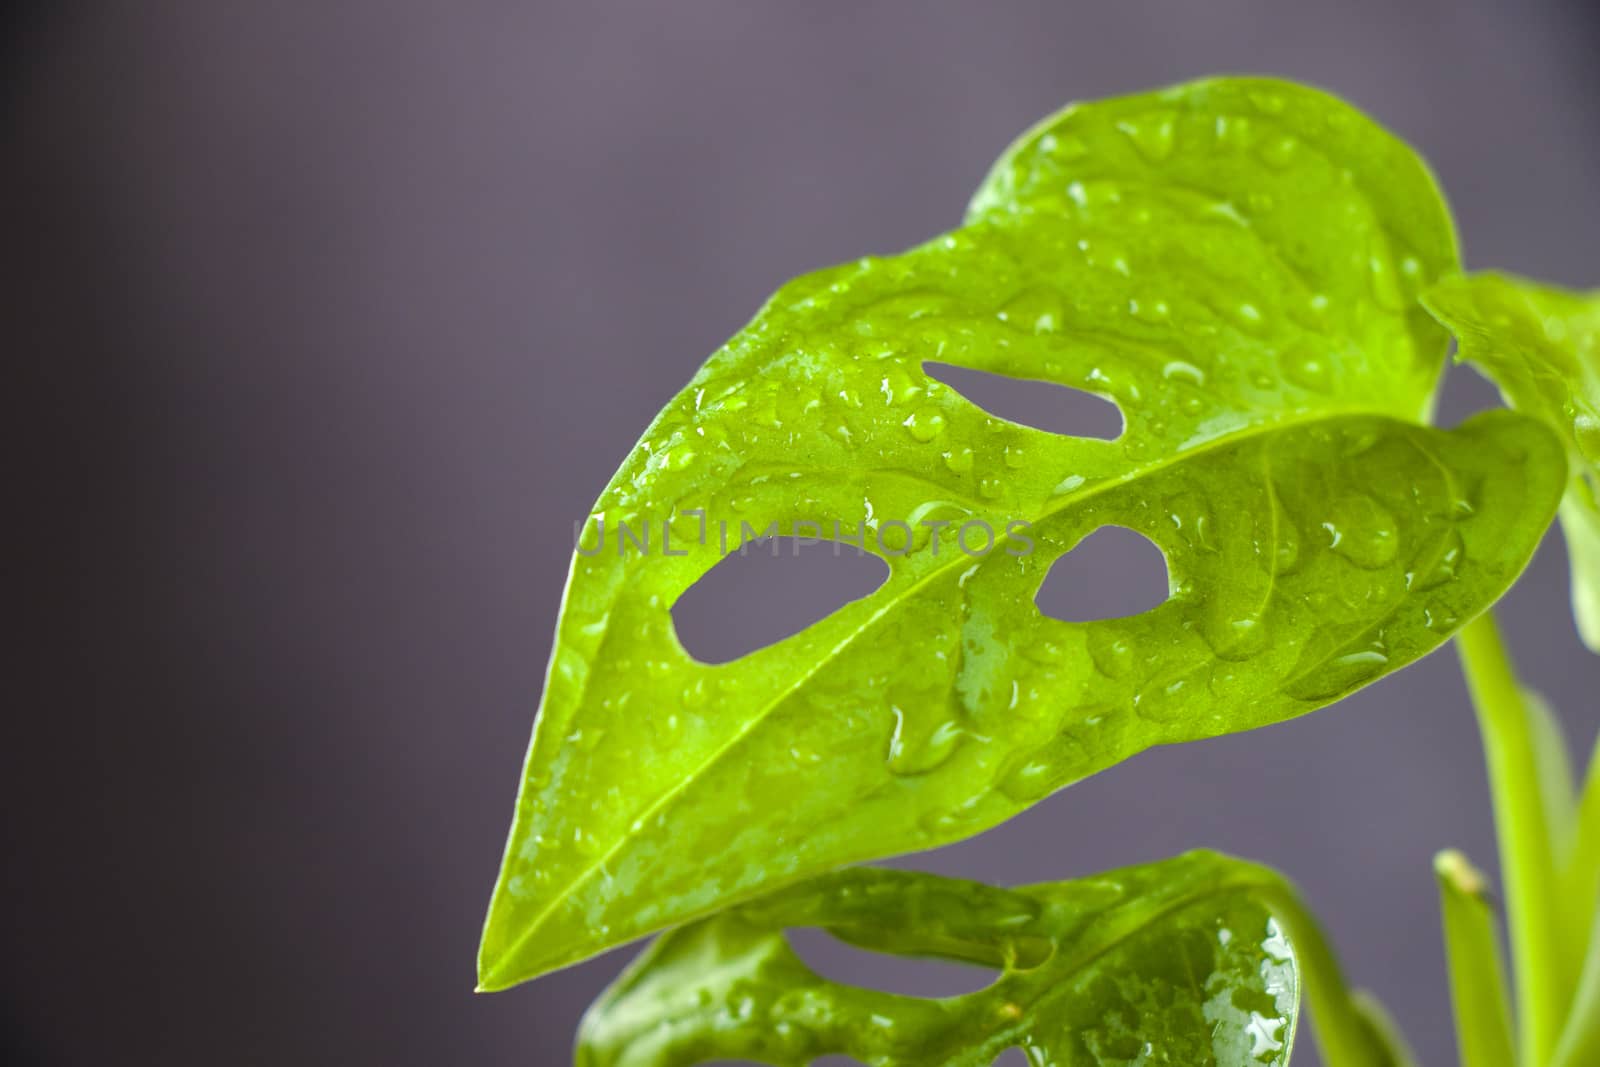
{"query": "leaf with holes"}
pixel 1184 956
pixel 1233 263
pixel 1541 346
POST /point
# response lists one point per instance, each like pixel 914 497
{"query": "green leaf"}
pixel 1477 972
pixel 1178 962
pixel 1541 346
pixel 1234 263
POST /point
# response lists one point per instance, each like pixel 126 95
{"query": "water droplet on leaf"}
pixel 924 425
pixel 1179 370
pixel 1279 152
pixel 1153 135
pixel 1308 368
pixel 1363 532
pixel 1437 564
pixel 917 747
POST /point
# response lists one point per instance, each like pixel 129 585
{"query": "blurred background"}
pixel 328 319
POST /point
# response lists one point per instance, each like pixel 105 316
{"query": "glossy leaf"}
pixel 1541 346
pixel 1179 962
pixel 1234 263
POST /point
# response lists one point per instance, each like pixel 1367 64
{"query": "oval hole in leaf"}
pixel 906 975
pixel 1111 574
pixel 776 588
pixel 1048 406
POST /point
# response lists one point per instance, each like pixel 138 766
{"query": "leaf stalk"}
pixel 1527 855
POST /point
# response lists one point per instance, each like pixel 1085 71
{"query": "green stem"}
pixel 1350 1029
pixel 1583 860
pixel 1527 863
pixel 1580 1040
pixel 1477 973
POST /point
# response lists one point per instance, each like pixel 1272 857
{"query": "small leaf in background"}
pixel 1177 962
pixel 1484 1032
pixel 1234 264
pixel 1541 346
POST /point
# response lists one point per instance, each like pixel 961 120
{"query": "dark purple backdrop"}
pixel 328 318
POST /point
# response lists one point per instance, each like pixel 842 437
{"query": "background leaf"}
pixel 1234 263
pixel 1541 346
pixel 1176 962
pixel 1477 972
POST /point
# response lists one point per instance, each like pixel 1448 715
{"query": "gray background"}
pixel 326 320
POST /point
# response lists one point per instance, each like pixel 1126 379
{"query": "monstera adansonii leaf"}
pixel 1541 346
pixel 1178 962
pixel 1234 263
